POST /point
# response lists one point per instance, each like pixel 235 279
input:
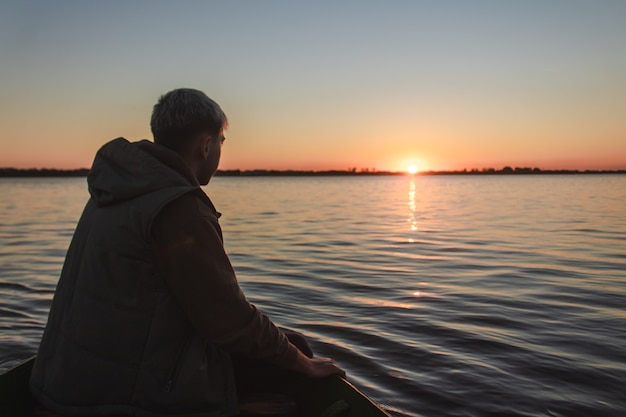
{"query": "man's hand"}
pixel 317 367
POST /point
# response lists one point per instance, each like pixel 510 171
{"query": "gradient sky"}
pixel 323 84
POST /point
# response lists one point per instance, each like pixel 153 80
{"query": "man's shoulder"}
pixel 190 204
pixel 194 202
pixel 189 208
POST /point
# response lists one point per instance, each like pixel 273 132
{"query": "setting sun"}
pixel 412 169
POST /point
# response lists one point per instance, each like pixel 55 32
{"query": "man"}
pixel 148 315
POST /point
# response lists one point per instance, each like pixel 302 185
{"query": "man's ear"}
pixel 204 143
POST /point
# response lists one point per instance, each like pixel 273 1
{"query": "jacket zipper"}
pixel 177 364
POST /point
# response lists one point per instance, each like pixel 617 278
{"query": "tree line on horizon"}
pixel 507 170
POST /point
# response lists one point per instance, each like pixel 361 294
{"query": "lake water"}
pixel 440 296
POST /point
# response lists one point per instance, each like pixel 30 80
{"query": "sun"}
pixel 412 169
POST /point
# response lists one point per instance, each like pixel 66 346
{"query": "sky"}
pixel 319 85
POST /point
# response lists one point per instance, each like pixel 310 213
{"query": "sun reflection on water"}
pixel 412 219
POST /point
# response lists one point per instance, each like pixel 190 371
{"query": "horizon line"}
pixel 507 170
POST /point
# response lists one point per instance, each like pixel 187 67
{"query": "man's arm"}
pixel 190 253
pixel 191 257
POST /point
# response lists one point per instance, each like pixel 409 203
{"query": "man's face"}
pixel 211 163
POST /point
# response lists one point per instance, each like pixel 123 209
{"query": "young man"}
pixel 148 312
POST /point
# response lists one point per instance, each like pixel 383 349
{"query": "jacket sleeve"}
pixel 190 254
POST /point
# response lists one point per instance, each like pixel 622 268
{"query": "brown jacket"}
pixel 148 309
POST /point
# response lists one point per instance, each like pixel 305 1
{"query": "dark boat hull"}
pixel 329 397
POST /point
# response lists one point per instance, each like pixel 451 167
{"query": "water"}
pixel 440 296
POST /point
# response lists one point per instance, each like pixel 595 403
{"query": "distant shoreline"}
pixel 82 172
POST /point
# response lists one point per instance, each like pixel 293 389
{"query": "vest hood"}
pixel 124 170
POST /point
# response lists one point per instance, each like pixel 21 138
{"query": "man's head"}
pixel 191 124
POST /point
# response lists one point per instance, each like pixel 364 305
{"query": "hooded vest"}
pixel 110 291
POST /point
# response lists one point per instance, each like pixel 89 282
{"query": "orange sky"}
pixel 323 86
